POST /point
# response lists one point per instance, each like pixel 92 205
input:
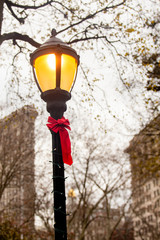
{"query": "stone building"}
pixel 17 191
pixel 144 151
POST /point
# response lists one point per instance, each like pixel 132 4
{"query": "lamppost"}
pixel 55 68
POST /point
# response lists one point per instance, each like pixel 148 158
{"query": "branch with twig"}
pixel 18 36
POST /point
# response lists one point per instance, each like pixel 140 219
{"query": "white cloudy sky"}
pixel 121 113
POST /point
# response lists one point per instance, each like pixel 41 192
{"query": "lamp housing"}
pixel 54 66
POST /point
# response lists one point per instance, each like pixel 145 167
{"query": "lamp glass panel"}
pixel 68 71
pixel 45 69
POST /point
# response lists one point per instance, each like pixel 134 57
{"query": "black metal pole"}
pixel 60 225
pixel 56 106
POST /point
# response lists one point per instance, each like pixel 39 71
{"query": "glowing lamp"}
pixel 55 68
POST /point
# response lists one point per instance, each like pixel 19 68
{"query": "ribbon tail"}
pixel 65 146
pixel 67 159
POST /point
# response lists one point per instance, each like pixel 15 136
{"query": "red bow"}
pixel 60 126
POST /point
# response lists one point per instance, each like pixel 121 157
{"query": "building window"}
pixel 155 182
pixel 148 187
pixel 157 203
pixel 150 218
pixel 148 197
pixel 149 208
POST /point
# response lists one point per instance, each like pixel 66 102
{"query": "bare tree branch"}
pixel 20 20
pixel 25 7
pixel 90 16
pixel 34 7
pixel 18 36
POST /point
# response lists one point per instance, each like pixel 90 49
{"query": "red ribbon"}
pixel 60 126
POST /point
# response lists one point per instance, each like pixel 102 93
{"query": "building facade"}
pixel 144 151
pixel 17 190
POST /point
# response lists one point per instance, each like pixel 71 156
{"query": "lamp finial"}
pixel 53 32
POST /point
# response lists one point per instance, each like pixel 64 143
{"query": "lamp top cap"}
pixel 51 45
pixel 53 40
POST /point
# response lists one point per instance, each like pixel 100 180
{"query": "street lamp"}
pixel 55 68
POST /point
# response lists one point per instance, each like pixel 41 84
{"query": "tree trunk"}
pixel 1 14
pixel 108 227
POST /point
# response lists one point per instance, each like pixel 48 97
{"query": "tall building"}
pixel 144 151
pixel 17 190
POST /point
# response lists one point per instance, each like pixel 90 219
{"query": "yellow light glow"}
pixel 51 61
pixel 68 71
pixel 71 193
pixel 45 71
